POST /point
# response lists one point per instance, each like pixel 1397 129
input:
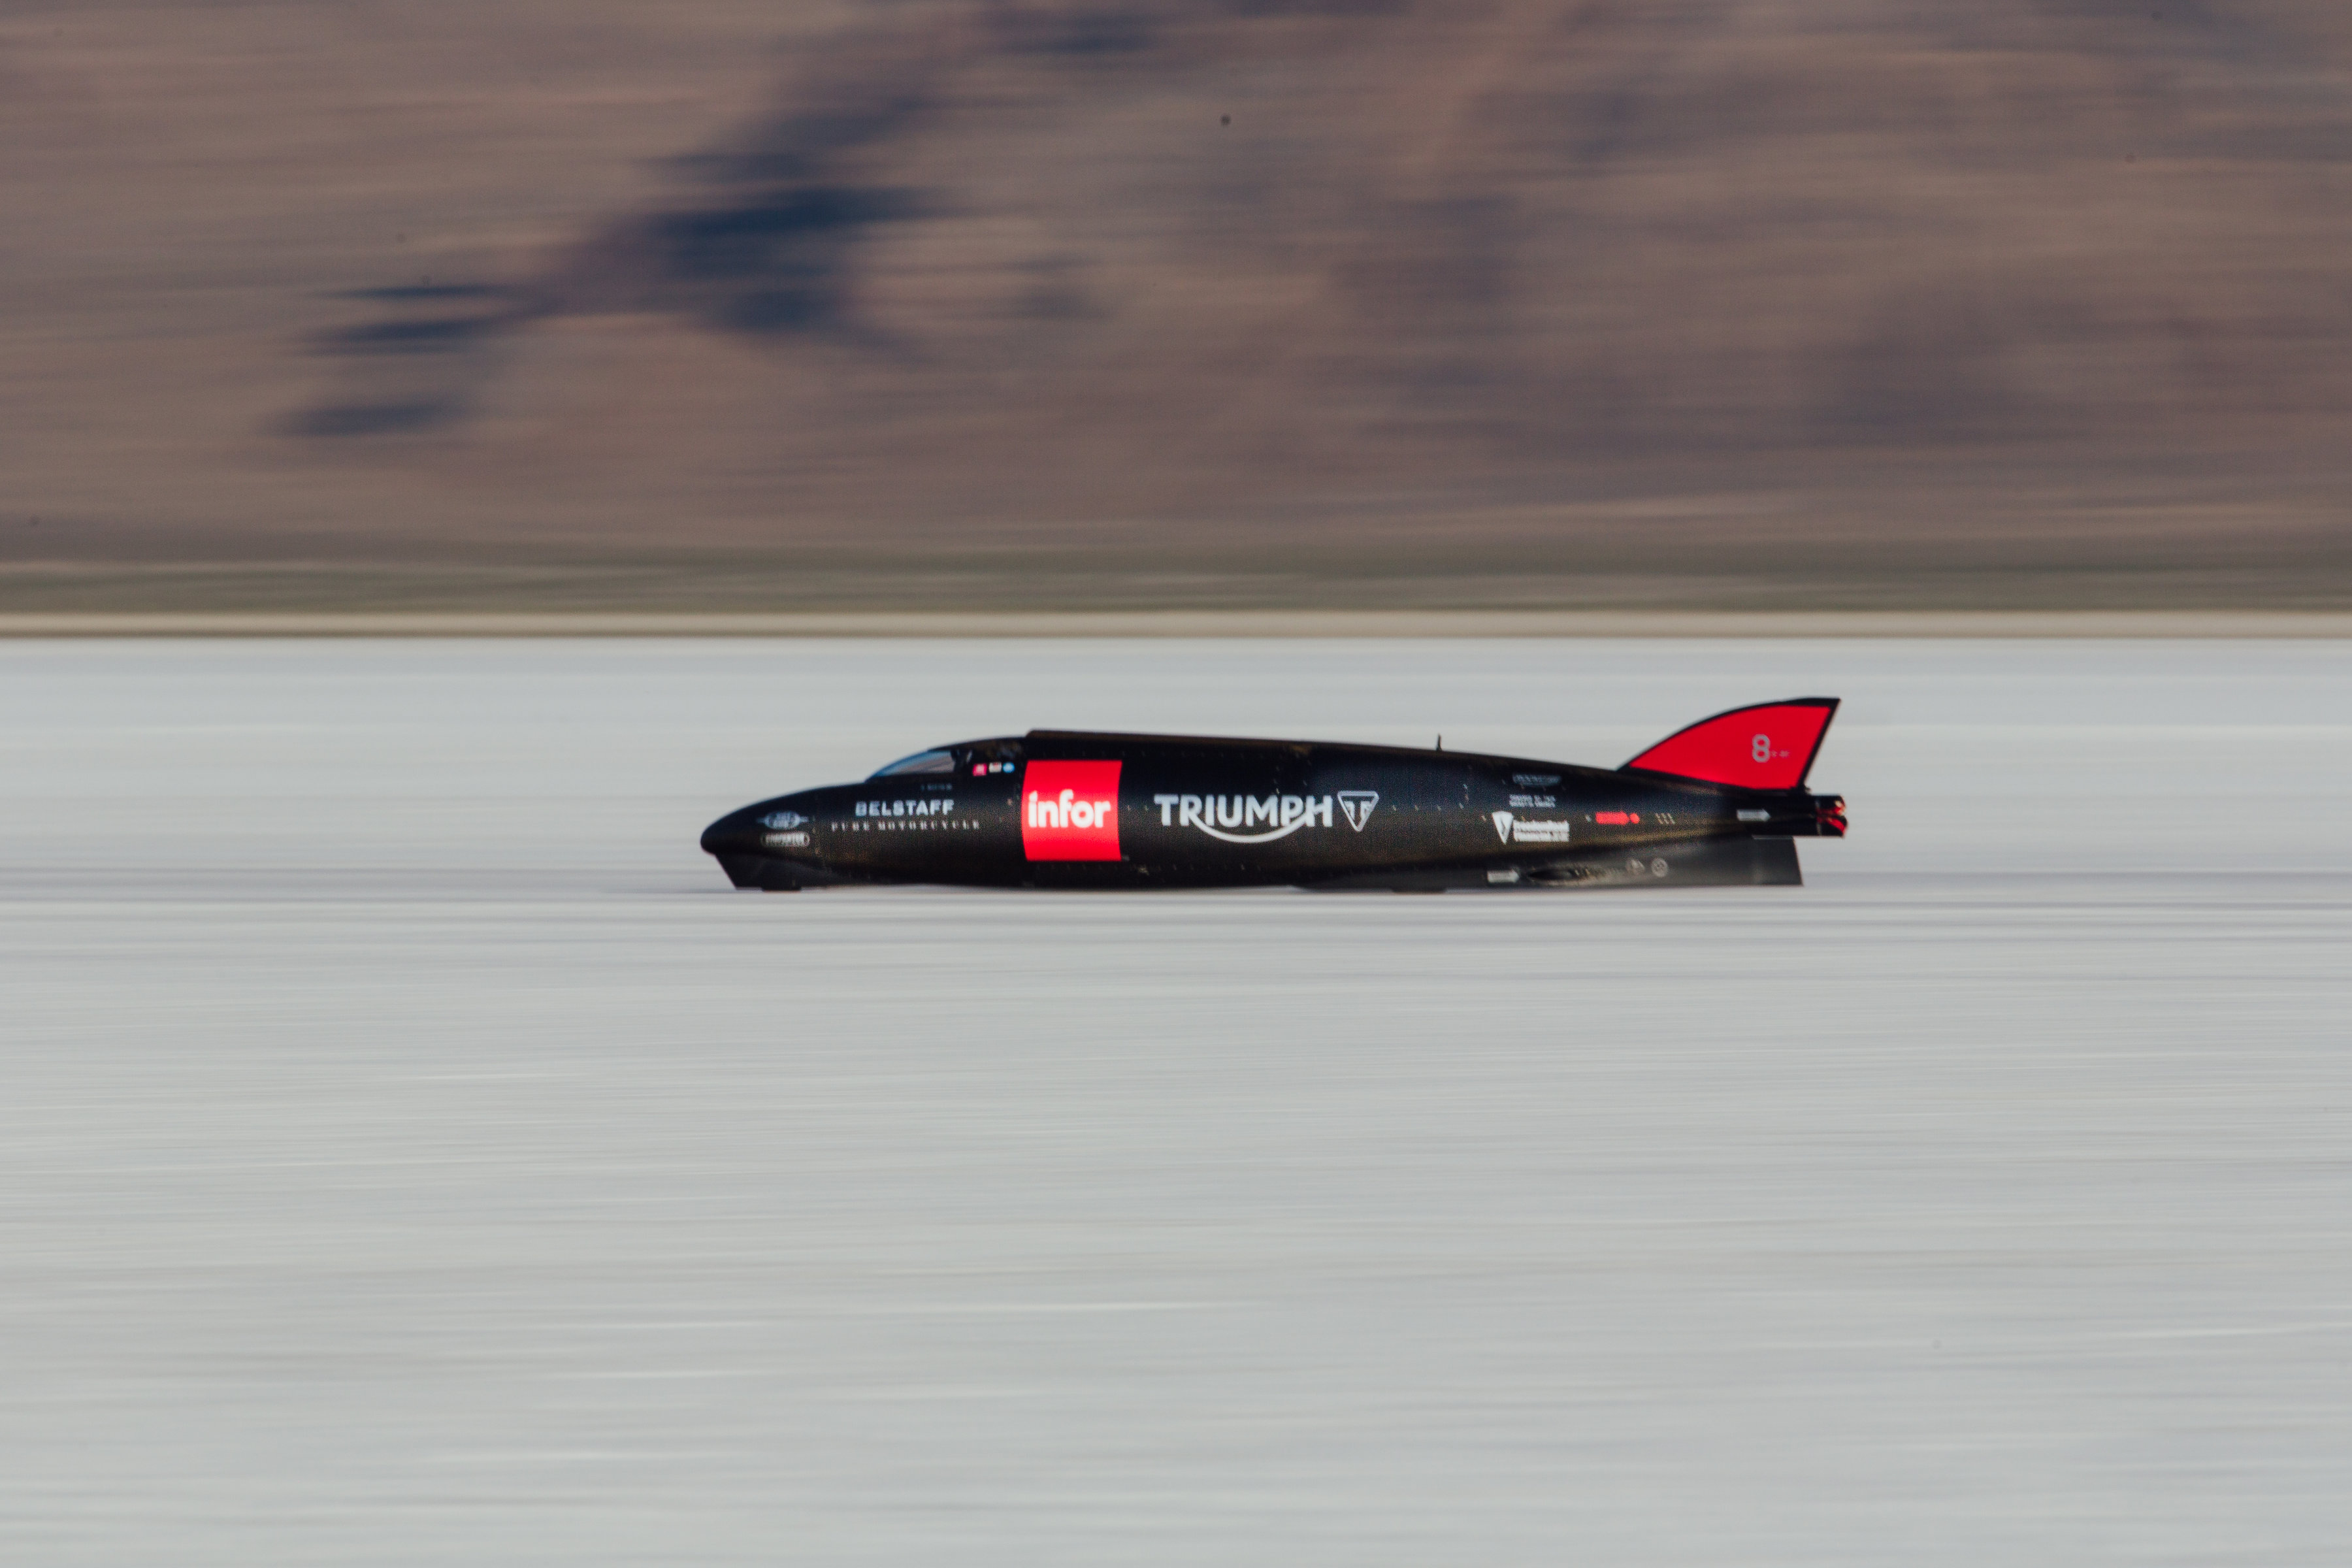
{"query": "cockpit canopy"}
pixel 967 757
pixel 920 762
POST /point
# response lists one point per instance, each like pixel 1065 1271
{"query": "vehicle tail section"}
pixel 1768 746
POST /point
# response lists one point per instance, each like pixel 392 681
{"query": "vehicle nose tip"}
pixel 733 834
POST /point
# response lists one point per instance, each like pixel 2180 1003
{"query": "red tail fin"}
pixel 1768 746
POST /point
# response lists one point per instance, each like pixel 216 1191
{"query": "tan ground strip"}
pixel 1205 623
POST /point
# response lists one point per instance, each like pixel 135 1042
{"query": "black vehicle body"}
pixel 1077 809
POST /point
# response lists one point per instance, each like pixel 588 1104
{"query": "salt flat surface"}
pixel 411 1151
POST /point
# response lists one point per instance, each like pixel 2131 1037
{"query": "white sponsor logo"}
pixel 1539 802
pixel 1260 818
pixel 786 840
pixel 1359 804
pixel 1067 810
pixel 782 820
pixel 938 805
pixel 1514 829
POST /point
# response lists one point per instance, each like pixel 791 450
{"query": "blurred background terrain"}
pixel 1043 303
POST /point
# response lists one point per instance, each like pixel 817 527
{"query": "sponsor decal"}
pixel 1260 819
pixel 1069 811
pixel 1755 816
pixel 1512 828
pixel 1535 781
pixel 1359 804
pixel 782 820
pixel 943 805
pixel 1618 818
pixel 1534 802
pixel 1502 878
pixel 785 840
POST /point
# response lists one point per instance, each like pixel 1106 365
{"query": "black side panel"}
pixel 1710 863
pixel 1702 863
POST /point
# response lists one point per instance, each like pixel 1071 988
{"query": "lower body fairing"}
pixel 1691 863
pixel 1695 863
pixel 770 875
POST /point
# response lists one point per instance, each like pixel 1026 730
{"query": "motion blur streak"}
pixel 408 1155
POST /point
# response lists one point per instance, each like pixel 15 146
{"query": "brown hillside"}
pixel 1706 302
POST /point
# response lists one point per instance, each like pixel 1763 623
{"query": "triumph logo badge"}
pixel 1273 816
pixel 1503 825
pixel 1262 818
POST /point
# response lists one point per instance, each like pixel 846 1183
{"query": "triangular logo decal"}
pixel 1503 824
pixel 1359 804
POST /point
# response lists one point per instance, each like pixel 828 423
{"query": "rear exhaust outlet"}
pixel 1829 816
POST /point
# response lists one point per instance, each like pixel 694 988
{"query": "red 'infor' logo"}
pixel 1069 811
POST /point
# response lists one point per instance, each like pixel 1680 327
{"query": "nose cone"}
pixel 771 845
pixel 737 832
